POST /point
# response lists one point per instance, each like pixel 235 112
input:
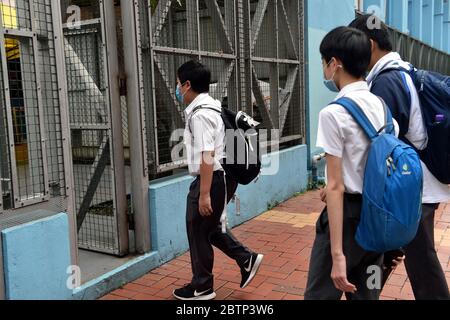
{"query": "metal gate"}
pixel 253 48
pixel 95 108
pixel 34 154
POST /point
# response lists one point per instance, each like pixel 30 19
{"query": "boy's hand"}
pixel 339 275
pixel 393 259
pixel 398 261
pixel 204 205
pixel 323 195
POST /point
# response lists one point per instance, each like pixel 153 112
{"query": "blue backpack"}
pixel 392 192
pixel 434 94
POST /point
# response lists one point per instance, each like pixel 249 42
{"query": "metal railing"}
pixel 253 48
pixel 34 158
pixel 420 54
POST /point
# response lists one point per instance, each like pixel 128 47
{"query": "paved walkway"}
pixel 285 236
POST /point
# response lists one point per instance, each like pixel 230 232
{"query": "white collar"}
pixel 202 99
pixel 355 86
pixel 385 62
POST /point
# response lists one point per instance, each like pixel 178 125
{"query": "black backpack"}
pixel 242 162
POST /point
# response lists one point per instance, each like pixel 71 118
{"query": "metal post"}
pixel 65 127
pixel 244 56
pixel 136 125
pixel 115 113
pixel 231 27
pixel 11 146
pixel 274 67
pixel 40 118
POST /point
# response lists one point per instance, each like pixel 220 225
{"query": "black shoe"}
pixel 249 271
pixel 188 293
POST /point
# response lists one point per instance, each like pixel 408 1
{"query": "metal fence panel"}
pixel 97 145
pixel 32 139
pixel 254 50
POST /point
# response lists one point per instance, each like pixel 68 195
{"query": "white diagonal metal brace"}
pixel 286 31
pixel 224 79
pixel 94 96
pixel 284 107
pixel 265 114
pixel 219 26
pixel 159 18
pixel 257 22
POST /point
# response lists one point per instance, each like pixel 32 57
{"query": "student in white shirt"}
pixel 338 264
pixel 205 139
pixel 422 264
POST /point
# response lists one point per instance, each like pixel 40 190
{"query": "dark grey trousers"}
pixel 320 285
pixel 421 261
pixel 205 232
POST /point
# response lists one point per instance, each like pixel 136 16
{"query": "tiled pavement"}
pixel 285 236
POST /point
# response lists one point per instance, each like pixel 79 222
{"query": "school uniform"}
pixel 205 132
pixel 422 264
pixel 341 136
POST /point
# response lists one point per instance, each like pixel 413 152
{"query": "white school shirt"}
pixel 341 136
pixel 204 132
pixel 433 190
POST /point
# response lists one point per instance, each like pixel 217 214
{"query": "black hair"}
pixel 375 29
pixel 197 74
pixel 350 46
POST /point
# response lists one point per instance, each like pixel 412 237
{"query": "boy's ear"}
pixel 374 45
pixel 339 62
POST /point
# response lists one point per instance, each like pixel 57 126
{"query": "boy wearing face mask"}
pixel 398 90
pixel 338 264
pixel 211 190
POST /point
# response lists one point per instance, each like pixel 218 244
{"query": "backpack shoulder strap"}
pixel 389 121
pixel 403 72
pixel 198 108
pixel 202 107
pixel 359 116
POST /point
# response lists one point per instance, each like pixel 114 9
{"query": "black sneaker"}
pixel 249 272
pixel 188 293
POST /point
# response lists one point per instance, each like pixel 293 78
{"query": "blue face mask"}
pixel 179 96
pixel 331 84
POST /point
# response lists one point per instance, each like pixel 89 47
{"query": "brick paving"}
pixel 285 236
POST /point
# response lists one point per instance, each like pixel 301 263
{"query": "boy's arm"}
pixel 206 176
pixel 391 88
pixel 335 206
pixel 203 128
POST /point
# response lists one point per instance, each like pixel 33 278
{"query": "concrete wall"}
pixel 36 256
pixel 323 16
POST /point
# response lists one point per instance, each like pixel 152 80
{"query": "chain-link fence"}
pixel 33 162
pixel 98 202
pixel 253 48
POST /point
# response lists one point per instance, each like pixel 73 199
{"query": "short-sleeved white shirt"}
pixel 205 131
pixel 340 136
